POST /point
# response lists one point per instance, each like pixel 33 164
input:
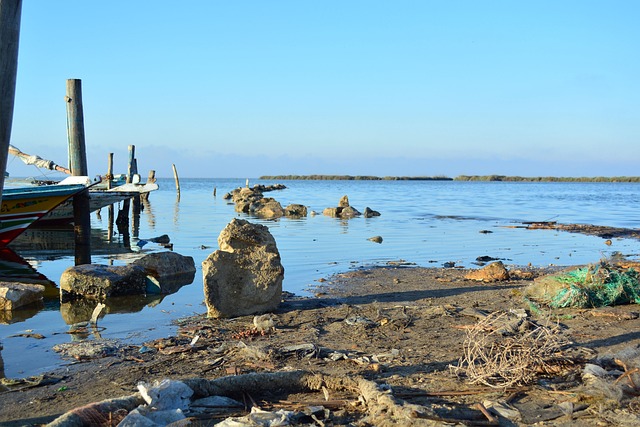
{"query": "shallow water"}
pixel 423 222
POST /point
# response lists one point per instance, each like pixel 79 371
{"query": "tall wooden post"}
pixel 75 128
pixel 78 166
pixel 175 177
pixel 110 172
pixel 110 216
pixel 151 178
pixel 10 12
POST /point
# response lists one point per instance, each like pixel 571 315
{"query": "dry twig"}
pixel 498 359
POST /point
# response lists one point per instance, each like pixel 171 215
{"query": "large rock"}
pixel 14 295
pixel 493 272
pixel 245 275
pixel 166 264
pixel 102 281
pixel 167 271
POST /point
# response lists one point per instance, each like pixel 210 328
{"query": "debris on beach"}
pixel 507 349
pixel 599 285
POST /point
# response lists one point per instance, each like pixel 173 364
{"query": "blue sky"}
pixel 248 88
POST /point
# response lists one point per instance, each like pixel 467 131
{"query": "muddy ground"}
pixel 401 326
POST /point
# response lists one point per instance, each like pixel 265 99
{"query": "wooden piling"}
pixel 123 215
pixel 132 165
pixel 175 176
pixel 150 179
pixel 109 176
pixel 78 166
pixel 75 128
pixel 110 209
pixel 10 12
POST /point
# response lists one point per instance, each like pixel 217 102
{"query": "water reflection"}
pixel 20 314
pixel 58 241
pixel 151 219
pixel 15 269
pixel 176 210
pixel 81 310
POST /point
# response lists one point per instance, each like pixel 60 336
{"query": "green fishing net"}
pixel 596 286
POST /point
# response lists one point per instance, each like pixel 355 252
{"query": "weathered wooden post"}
pixel 10 12
pixel 78 166
pixel 151 178
pixel 135 200
pixel 175 177
pixel 136 205
pixel 122 221
pixel 109 178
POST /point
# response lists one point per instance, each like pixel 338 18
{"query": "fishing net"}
pixel 593 286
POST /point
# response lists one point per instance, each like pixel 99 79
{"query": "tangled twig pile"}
pixel 503 351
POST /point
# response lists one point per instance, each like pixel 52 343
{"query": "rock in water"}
pixel 245 276
pixel 102 281
pixel 14 295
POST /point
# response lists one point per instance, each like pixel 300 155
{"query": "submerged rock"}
pixel 167 271
pixel 370 213
pixel 245 275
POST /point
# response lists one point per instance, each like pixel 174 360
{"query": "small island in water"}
pixel 458 178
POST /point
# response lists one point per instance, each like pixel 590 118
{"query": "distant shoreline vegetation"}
pixel 458 178
pixel 357 178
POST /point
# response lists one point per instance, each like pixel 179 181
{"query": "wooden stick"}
pixel 486 413
pixel 175 176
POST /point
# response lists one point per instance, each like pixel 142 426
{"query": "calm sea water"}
pixel 422 222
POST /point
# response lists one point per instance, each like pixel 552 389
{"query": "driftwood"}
pixel 107 412
pixel 379 406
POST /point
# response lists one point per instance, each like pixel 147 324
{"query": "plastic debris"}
pixel 259 418
pixel 147 417
pixel 166 394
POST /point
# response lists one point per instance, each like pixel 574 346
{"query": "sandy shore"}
pixel 404 327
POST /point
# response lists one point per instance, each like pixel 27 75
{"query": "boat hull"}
pixel 21 207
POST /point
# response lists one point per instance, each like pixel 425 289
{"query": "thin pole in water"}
pixel 175 176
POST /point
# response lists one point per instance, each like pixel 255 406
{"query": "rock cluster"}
pixel 344 210
pixel 245 275
pixel 252 201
